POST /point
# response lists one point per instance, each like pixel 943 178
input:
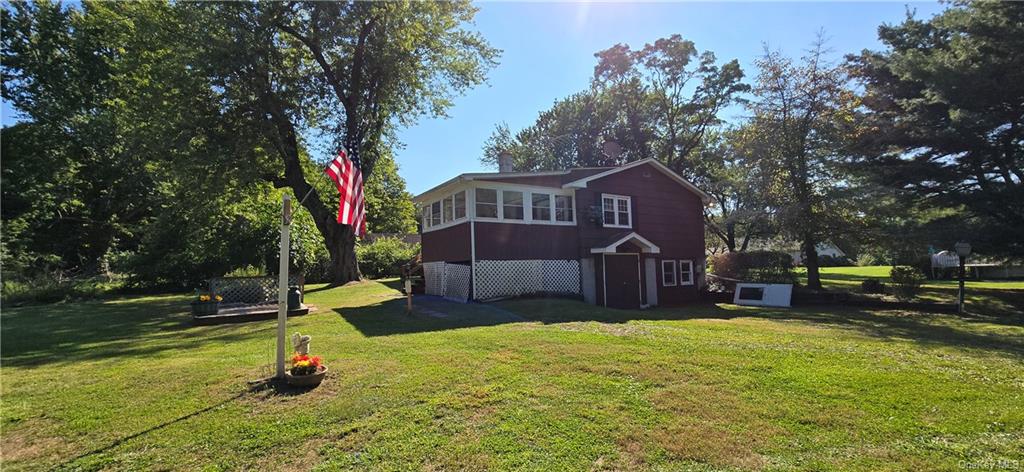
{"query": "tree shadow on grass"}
pixel 43 336
pixel 389 318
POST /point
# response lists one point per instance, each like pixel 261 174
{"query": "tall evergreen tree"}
pixel 945 117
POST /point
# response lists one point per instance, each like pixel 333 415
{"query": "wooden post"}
pixel 408 296
pixel 960 295
pixel 282 289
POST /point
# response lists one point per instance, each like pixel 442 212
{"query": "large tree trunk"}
pixel 340 239
pixel 341 245
pixel 810 251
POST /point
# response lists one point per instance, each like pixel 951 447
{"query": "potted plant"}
pixel 206 304
pixel 306 370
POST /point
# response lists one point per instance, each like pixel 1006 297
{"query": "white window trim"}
pixel 689 262
pixel 675 276
pixel 615 206
pixel 428 227
pixel 527 192
pixel 554 209
pixel 501 205
pixel 550 208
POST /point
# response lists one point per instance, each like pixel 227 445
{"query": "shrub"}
pixel 872 286
pixel 906 281
pixel 51 289
pixel 385 257
pixel 753 266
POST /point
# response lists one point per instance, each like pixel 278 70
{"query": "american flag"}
pixel 349 180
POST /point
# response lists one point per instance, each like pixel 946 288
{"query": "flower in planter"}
pixel 206 298
pixel 304 364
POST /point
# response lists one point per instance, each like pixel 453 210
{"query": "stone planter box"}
pixel 310 380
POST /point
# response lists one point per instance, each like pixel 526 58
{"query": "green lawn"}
pixel 1003 298
pixel 529 384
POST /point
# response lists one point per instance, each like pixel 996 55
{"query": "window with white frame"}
pixel 425 215
pixel 668 273
pixel 563 208
pixel 448 209
pixel 685 272
pixel 512 205
pixel 617 211
pixel 486 203
pixel 435 214
pixel 459 201
pixel 540 206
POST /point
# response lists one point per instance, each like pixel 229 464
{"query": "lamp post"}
pixel 963 249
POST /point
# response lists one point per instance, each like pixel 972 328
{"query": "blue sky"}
pixel 548 53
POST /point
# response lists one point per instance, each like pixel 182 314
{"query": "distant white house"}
pixel 979 268
pixel 824 249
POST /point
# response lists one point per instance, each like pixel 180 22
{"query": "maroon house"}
pixel 623 237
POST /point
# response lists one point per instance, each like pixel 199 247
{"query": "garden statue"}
pixel 301 343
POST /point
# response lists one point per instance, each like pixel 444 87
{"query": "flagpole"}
pixel 308 192
pixel 282 281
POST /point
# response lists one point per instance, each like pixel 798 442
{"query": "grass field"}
pixel 1004 298
pixel 520 385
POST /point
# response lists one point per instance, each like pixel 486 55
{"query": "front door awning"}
pixel 644 245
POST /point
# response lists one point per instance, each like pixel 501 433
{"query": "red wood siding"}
pixel 510 241
pixel 663 212
pixel 449 244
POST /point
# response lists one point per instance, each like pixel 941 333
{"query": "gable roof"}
pixel 582 183
pixel 612 244
pixel 573 178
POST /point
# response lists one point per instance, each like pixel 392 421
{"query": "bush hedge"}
pixel 753 266
pixel 385 256
pixel 872 286
pixel 906 281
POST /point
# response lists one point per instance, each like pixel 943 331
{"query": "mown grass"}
pixel 998 298
pixel 520 385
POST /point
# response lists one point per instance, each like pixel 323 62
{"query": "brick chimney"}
pixel 505 161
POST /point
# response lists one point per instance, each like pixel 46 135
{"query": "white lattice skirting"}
pixel 451 281
pixel 496 279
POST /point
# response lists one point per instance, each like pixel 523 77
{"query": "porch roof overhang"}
pixel 645 245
